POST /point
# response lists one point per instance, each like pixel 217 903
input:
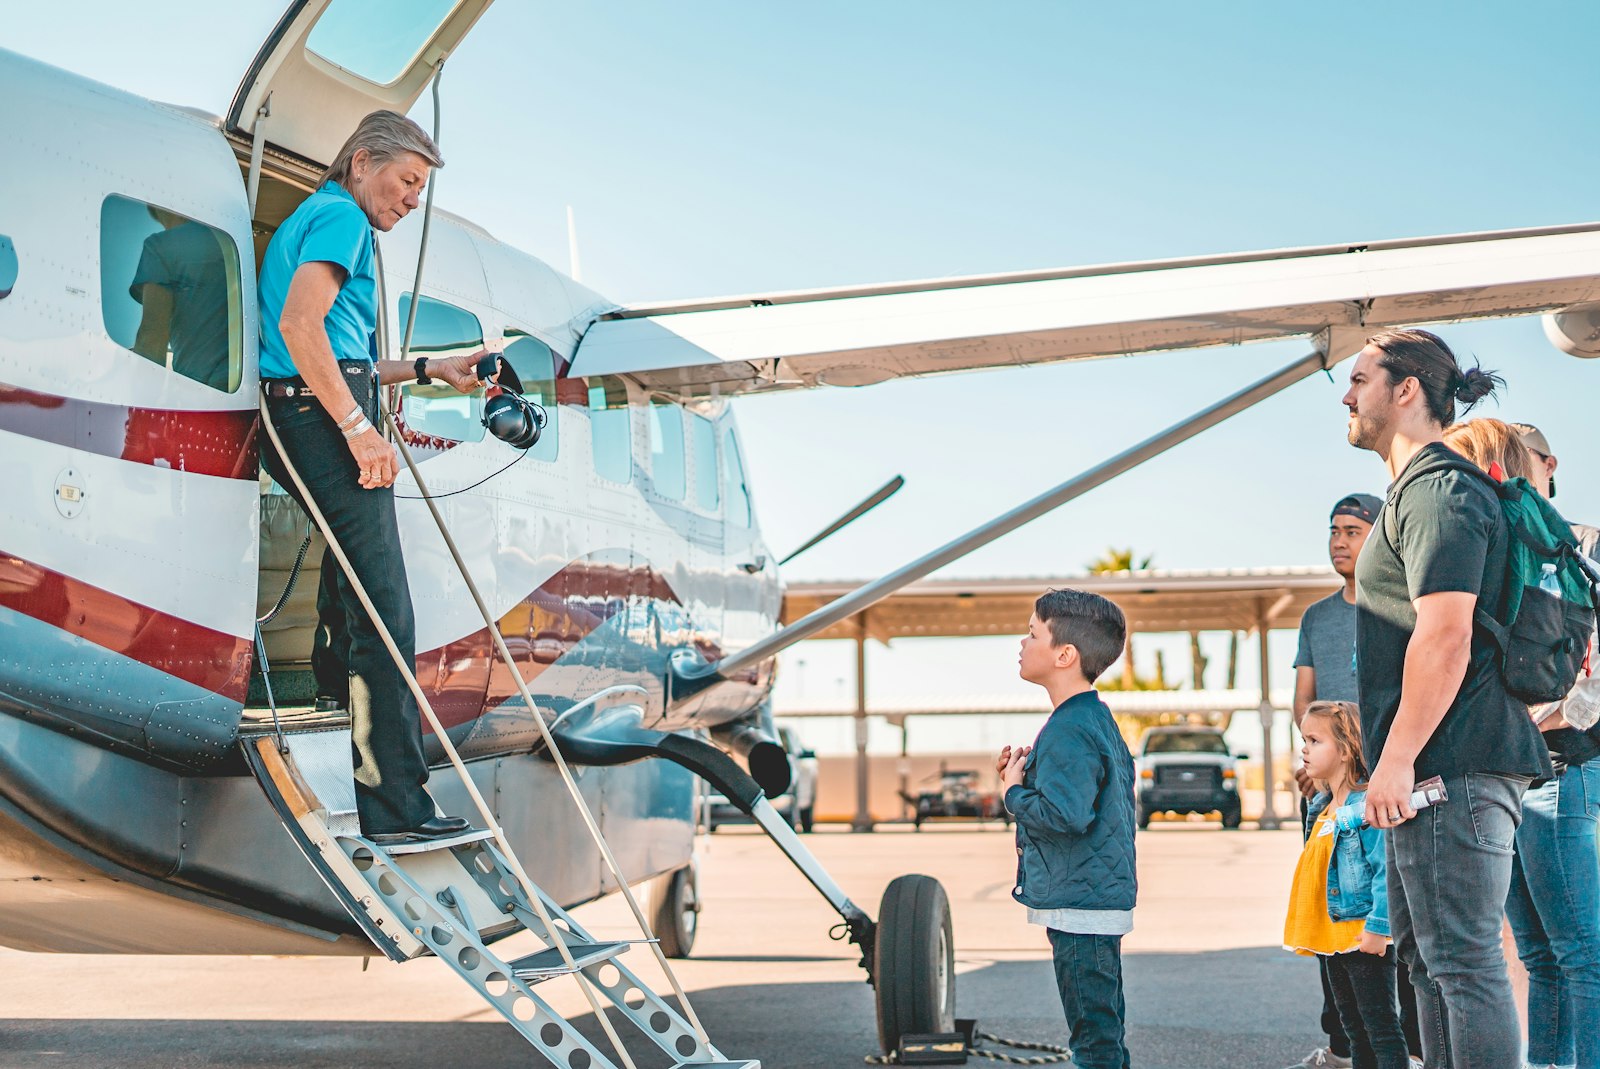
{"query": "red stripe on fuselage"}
pixel 211 659
pixel 221 443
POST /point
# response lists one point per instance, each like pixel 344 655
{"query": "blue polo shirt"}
pixel 328 226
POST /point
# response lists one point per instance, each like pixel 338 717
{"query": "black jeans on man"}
pixel 386 730
pixel 1449 871
pixel 1364 993
pixel 1089 977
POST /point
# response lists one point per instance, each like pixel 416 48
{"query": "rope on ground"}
pixel 1053 1054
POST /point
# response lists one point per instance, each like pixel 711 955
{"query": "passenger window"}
pixel 703 449
pixel 170 291
pixel 739 511
pixel 610 433
pixel 439 409
pixel 535 366
pixel 666 451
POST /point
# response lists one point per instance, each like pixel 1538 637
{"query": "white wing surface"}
pixel 854 337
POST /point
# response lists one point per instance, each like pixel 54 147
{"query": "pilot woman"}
pixel 320 371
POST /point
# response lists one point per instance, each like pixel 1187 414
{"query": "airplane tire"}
pixel 677 912
pixel 915 966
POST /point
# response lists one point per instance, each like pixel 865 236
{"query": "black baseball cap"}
pixel 1363 507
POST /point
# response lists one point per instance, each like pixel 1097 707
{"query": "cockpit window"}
pixel 740 512
pixel 439 409
pixel 667 471
pixel 610 428
pixel 703 454
pixel 535 366
pixel 170 291
pixel 377 40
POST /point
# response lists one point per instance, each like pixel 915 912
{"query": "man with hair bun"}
pixel 1433 702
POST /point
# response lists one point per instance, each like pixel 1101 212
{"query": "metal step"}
pixel 423 846
pixel 719 1065
pixel 548 963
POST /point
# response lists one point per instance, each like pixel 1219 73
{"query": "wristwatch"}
pixel 422 371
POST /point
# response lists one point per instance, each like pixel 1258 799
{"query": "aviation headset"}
pixel 507 414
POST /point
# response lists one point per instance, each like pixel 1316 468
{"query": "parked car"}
pixel 797 804
pixel 1187 769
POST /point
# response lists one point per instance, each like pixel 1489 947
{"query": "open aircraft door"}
pixel 329 62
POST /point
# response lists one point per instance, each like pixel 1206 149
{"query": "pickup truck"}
pixel 1187 769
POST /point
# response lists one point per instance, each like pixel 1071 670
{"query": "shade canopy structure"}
pixel 1242 599
pixel 1153 601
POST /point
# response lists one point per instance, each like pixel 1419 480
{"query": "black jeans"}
pixel 1089 977
pixel 1449 872
pixel 349 658
pixel 1364 992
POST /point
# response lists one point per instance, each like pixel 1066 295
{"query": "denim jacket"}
pixel 1358 871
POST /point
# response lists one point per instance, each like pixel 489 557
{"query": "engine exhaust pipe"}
pixel 763 755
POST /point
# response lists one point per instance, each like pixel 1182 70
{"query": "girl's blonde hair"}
pixel 1486 441
pixel 1344 718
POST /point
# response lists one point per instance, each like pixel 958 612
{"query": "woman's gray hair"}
pixel 386 135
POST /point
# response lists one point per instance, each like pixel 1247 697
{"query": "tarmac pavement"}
pixel 1207 986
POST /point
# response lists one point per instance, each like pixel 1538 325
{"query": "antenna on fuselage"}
pixel 574 265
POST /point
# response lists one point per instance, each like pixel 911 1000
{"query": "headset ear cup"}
pixel 513 419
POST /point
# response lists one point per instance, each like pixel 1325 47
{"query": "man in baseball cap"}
pixel 1544 461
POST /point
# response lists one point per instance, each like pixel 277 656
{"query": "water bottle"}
pixel 1353 815
pixel 1549 582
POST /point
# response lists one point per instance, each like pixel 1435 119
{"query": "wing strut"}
pixel 691 667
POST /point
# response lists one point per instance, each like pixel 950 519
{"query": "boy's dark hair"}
pixel 1424 356
pixel 1089 622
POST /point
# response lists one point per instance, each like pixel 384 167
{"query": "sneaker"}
pixel 1321 1058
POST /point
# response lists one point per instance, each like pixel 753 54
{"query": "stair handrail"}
pixel 426 707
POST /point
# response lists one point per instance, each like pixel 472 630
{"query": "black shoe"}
pixel 434 828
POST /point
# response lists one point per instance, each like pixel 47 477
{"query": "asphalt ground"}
pixel 1206 983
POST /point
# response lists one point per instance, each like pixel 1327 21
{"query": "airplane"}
pixel 166 785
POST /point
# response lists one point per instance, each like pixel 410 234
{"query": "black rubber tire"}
pixel 677 912
pixel 1231 818
pixel 1144 816
pixel 914 961
pixel 808 819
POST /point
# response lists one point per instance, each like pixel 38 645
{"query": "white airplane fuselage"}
pixel 131 568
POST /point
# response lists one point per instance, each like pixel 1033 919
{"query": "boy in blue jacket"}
pixel 1071 794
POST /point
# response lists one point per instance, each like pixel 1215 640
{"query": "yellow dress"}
pixel 1309 930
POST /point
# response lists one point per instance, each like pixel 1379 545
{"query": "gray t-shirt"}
pixel 1328 647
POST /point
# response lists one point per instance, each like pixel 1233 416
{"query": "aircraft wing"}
pixel 864 335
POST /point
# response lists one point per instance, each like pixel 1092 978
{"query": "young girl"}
pixel 1339 908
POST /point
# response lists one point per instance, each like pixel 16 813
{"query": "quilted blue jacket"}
pixel 1074 813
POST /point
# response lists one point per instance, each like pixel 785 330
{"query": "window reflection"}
pixel 739 510
pixel 666 451
pixel 169 291
pixel 703 450
pixel 535 366
pixel 610 433
pixel 439 409
pixel 377 40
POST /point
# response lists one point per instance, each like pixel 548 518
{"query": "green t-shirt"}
pixel 1449 535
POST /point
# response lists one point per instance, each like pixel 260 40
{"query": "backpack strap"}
pixel 1498 632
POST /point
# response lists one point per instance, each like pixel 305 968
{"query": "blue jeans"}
pixel 1449 871
pixel 1089 977
pixel 1554 910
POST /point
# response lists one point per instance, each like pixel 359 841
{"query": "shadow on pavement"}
pixel 1234 1009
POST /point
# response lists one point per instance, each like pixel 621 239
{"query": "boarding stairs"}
pixel 456 899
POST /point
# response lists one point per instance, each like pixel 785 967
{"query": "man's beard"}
pixel 1365 429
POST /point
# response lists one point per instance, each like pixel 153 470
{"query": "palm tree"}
pixel 1123 560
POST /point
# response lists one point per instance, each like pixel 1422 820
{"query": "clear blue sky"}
pixel 716 147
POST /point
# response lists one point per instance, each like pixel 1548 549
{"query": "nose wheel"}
pixel 915 966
